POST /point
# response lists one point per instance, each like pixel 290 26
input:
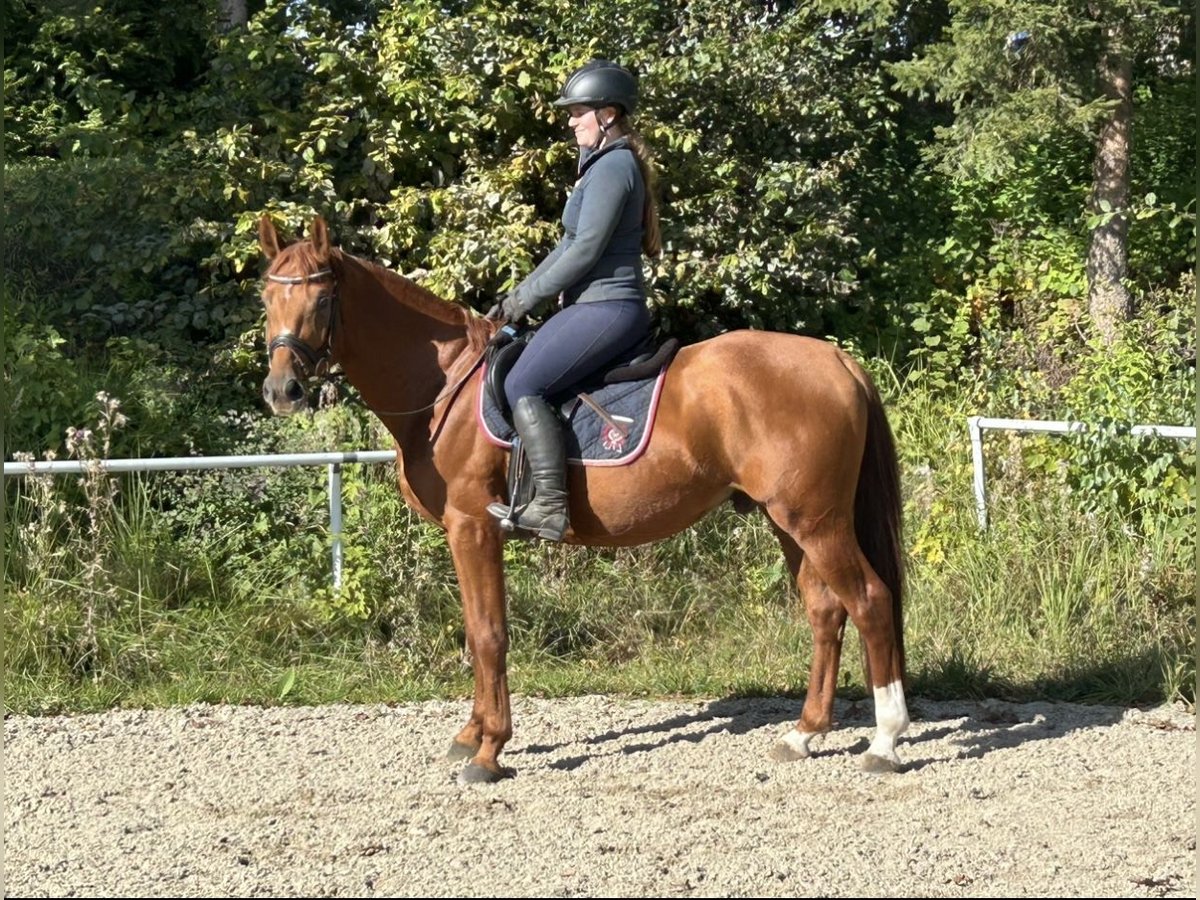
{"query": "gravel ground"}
pixel 612 797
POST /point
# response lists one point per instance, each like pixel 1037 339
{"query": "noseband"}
pixel 311 359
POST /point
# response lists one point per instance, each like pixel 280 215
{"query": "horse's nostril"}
pixel 293 391
pixel 266 392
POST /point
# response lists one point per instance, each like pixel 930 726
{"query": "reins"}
pixel 412 412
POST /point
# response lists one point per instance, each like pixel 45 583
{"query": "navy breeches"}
pixel 573 344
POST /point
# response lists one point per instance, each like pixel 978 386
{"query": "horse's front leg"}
pixel 475 545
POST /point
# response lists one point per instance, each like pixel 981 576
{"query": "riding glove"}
pixel 514 308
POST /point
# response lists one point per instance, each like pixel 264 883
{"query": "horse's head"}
pixel 300 297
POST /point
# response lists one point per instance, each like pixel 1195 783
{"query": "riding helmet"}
pixel 601 83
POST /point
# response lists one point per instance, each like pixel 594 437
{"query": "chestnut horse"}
pixel 792 423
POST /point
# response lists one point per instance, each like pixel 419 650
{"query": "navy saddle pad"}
pixel 591 441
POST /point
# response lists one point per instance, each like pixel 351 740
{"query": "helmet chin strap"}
pixel 604 127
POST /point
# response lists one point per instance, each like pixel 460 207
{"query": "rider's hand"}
pixel 495 312
pixel 513 310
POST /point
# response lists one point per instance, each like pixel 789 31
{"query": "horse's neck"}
pixel 400 343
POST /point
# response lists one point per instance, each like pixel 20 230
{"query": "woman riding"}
pixel 610 220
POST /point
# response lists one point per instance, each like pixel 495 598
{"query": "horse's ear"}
pixel 268 237
pixel 318 233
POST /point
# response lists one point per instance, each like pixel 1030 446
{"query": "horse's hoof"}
pixel 793 746
pixel 785 752
pixel 879 765
pixel 473 773
pixel 459 751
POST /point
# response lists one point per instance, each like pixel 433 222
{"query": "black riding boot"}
pixel 545 447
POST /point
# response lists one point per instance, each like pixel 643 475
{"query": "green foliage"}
pixel 790 192
pixel 1048 369
pixel 1014 161
pixel 1092 603
pixel 134 256
pixel 41 399
pixel 768 222
pixel 101 77
pixel 428 138
pixel 50 382
pixel 1142 379
pixel 1009 95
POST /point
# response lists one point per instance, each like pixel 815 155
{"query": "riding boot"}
pixel 545 447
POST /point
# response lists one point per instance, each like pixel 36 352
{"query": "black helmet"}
pixel 601 83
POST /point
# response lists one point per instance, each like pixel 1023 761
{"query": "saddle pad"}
pixel 590 440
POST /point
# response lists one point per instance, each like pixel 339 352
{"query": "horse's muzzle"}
pixel 284 394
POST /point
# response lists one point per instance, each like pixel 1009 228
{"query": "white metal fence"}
pixel 978 424
pixel 333 461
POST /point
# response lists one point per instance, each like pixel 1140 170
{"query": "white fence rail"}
pixel 978 424
pixel 333 462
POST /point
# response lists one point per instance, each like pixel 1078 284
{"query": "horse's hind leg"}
pixel 838 561
pixel 835 574
pixel 827 617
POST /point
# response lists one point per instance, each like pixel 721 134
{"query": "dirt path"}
pixel 613 797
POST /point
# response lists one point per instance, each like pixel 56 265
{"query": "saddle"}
pixel 644 361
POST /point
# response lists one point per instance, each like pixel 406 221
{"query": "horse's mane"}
pixel 452 312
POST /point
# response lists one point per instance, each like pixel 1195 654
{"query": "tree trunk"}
pixel 1109 300
pixel 233 15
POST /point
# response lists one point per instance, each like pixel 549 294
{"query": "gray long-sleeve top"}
pixel 600 254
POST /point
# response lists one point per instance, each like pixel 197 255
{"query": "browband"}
pixel 299 279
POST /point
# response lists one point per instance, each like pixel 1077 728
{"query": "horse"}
pixel 788 423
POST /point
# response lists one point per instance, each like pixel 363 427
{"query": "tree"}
pixel 1109 299
pixel 90 79
pixel 1022 74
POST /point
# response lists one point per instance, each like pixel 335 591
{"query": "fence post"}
pixel 977 463
pixel 335 521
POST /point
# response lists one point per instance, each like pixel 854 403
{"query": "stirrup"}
pixel 510 521
pixel 540 531
pixel 549 526
pixel 519 489
pixel 508 514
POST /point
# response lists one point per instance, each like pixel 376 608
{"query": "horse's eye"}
pixel 323 300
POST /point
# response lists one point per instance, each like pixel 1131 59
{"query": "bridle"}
pixel 311 359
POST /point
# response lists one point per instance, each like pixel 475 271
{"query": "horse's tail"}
pixel 878 505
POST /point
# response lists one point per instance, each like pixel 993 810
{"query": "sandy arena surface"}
pixel 612 797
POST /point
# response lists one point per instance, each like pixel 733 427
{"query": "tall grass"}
pixel 1061 597
pixel 215 588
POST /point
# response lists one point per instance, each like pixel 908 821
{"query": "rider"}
pixel 610 219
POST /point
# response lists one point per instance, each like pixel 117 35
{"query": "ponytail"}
pixel 651 231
